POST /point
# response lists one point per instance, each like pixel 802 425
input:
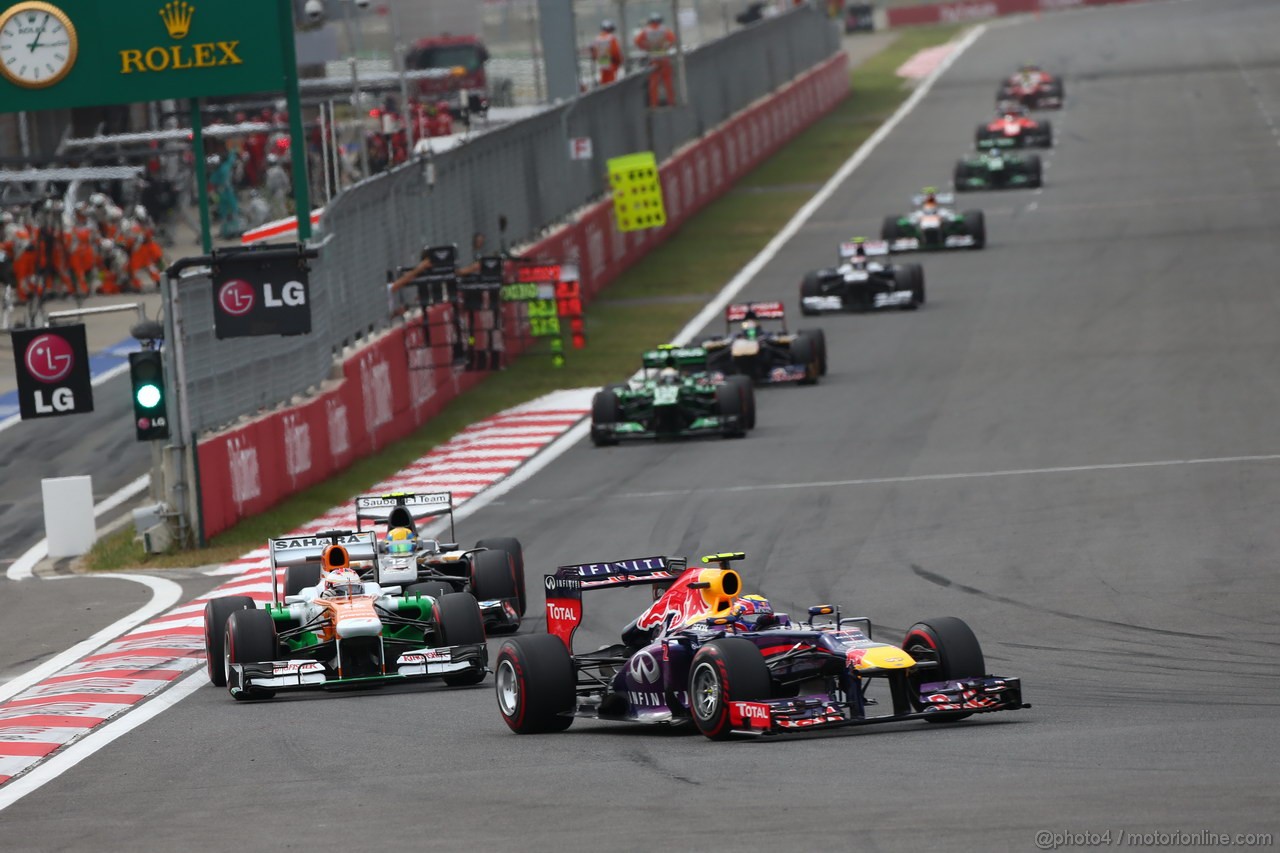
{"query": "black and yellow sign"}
pixel 637 192
pixel 71 53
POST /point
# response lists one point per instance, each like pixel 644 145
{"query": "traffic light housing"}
pixel 150 408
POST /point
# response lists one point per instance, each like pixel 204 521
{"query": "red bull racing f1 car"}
pixel 706 654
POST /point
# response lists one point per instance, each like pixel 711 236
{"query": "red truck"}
pixel 468 55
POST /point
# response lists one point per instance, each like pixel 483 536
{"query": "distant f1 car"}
pixel 861 284
pixel 1013 128
pixel 705 653
pixel 997 169
pixel 767 356
pixel 1032 87
pixel 345 630
pixel 674 396
pixel 492 571
pixel 934 225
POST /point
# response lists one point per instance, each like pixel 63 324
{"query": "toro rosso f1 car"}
pixel 346 630
pixel 861 284
pixel 1032 87
pixel 934 225
pixel 1013 128
pixel 674 396
pixel 704 653
pixel 492 571
pixel 767 356
pixel 997 169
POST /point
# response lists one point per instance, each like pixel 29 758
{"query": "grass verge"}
pixel 645 305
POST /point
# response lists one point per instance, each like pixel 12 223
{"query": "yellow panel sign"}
pixel 637 192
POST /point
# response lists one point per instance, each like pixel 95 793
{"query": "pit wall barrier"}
pixel 978 10
pixel 380 399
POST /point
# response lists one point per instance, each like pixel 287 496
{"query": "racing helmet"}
pixel 400 541
pixel 756 611
pixel 668 376
pixel 751 328
pixel 343 583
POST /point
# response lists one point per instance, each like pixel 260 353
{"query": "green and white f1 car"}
pixel 673 396
pixel 997 169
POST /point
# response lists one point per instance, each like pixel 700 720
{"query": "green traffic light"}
pixel 148 396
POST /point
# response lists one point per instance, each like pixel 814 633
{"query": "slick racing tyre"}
pixel 250 638
pixel 494 576
pixel 513 547
pixel 1044 135
pixel 460 623
pixel 729 404
pixel 1034 171
pixel 605 413
pixel 911 277
pixel 889 229
pixel 727 670
pixel 804 354
pixel 951 643
pixel 960 177
pixel 810 286
pixel 216 613
pixel 975 225
pixel 819 339
pixel 535 684
pixel 747 391
pixel 298 578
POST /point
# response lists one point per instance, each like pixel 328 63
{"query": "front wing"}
pixel 306 674
pixel 844 296
pixel 915 244
pixel 637 431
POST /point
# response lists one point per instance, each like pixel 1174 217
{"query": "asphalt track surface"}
pixel 1124 316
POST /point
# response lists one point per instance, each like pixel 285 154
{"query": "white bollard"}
pixel 68 515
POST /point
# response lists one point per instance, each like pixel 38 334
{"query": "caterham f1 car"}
pixel 346 630
pixel 767 355
pixel 673 396
pixel 997 169
pixel 705 653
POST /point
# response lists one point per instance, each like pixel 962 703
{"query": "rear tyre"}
pixel 747 391
pixel 493 575
pixel 810 286
pixel 250 638
pixel 975 223
pixel 889 229
pixel 605 413
pixel 819 338
pixel 1045 138
pixel 727 670
pixel 298 578
pixel 1034 171
pixel 804 354
pixel 535 684
pixel 911 277
pixel 960 177
pixel 216 613
pixel 460 624
pixel 950 642
pixel 513 547
pixel 729 405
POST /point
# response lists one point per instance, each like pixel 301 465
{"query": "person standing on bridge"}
pixel 657 41
pixel 606 52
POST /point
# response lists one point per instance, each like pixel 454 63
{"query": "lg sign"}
pixel 261 292
pixel 236 297
pixel 52 367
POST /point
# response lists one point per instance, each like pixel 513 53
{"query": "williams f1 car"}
pixel 673 396
pixel 492 571
pixel 1013 128
pixel 705 653
pixel 934 225
pixel 767 355
pixel 997 169
pixel 862 284
pixel 1032 87
pixel 346 630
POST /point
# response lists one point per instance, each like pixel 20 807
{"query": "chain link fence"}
pixel 521 172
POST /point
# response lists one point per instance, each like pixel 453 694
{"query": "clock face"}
pixel 37 44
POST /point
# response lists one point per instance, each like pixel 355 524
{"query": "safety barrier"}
pixel 379 399
pixel 977 10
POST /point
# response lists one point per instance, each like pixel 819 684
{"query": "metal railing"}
pixel 522 172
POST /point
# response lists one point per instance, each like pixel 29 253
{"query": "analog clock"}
pixel 37 44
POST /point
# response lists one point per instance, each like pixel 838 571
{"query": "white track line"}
pixel 744 276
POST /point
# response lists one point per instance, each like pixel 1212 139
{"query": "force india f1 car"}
pixel 492 571
pixel 1013 128
pixel 997 169
pixel 934 225
pixel 347 630
pixel 1033 88
pixel 706 654
pixel 767 356
pixel 861 284
pixel 674 396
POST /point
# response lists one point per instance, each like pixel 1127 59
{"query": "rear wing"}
pixel 300 550
pixel 759 310
pixel 417 507
pixel 870 248
pixel 564 588
pixel 685 357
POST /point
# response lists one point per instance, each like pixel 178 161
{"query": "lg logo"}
pixel 49 359
pixel 237 296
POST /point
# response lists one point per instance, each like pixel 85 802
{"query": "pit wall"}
pixel 248 469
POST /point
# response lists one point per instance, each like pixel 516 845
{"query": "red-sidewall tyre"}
pixel 216 613
pixel 250 638
pixel 951 642
pixel 535 684
pixel 513 547
pixel 727 670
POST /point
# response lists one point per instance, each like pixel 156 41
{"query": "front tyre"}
pixel 535 684
pixel 819 339
pixel 250 638
pixel 950 642
pixel 730 669
pixel 513 547
pixel 216 613
pixel 605 414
